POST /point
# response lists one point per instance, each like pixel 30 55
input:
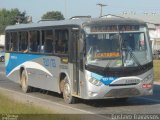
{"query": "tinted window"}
pixel 47 41
pixel 14 41
pixel 62 38
pixel 34 41
pixel 23 41
pixel 8 40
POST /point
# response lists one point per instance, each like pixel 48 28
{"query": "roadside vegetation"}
pixel 157 70
pixel 10 108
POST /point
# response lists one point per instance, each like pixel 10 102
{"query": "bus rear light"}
pixel 147 85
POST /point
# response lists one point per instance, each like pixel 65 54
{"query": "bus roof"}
pixel 47 24
pixel 115 21
pixel 79 22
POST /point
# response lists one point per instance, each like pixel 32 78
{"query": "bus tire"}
pixel 68 98
pixel 24 82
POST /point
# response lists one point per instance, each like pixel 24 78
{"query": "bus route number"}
pixel 49 62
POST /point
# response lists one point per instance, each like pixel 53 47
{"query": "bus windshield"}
pixel 127 49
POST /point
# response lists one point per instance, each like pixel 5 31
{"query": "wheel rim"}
pixel 67 92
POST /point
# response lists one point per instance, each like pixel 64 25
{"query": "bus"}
pixel 90 58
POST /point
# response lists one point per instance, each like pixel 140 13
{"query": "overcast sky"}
pixel 69 8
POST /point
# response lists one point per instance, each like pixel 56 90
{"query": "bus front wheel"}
pixel 24 82
pixel 68 98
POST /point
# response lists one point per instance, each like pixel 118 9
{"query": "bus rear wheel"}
pixel 24 82
pixel 68 98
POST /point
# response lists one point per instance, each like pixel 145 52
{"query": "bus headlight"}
pixel 95 82
pixel 147 82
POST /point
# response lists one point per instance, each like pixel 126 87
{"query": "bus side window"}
pixel 8 41
pixel 34 41
pixel 23 42
pixel 14 41
pixel 47 41
pixel 62 38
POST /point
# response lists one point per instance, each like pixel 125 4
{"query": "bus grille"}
pixel 123 92
pixel 122 84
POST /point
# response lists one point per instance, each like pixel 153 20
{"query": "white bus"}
pixel 81 58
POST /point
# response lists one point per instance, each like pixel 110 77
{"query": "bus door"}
pixel 74 53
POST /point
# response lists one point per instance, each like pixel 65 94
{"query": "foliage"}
pixel 156 70
pixel 55 15
pixel 11 17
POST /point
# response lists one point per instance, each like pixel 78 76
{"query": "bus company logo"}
pixel 13 57
pixel 49 62
pixel 132 81
pixel 108 78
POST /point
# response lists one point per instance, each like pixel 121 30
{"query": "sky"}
pixel 70 8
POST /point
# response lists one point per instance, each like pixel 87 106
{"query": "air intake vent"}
pixel 123 92
pixel 123 84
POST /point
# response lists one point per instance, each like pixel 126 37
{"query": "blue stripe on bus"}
pixel 104 80
pixel 15 60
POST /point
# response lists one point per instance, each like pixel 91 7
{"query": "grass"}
pixel 10 106
pixel 21 111
pixel 157 70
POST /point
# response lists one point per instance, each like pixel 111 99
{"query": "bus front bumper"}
pixel 106 92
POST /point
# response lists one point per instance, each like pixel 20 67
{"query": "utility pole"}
pixel 65 9
pixel 101 6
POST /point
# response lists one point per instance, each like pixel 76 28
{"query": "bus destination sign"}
pixel 114 28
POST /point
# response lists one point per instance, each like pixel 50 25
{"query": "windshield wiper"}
pixel 134 58
pixel 124 48
pixel 107 66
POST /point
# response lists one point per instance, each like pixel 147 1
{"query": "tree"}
pixel 11 17
pixel 55 15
